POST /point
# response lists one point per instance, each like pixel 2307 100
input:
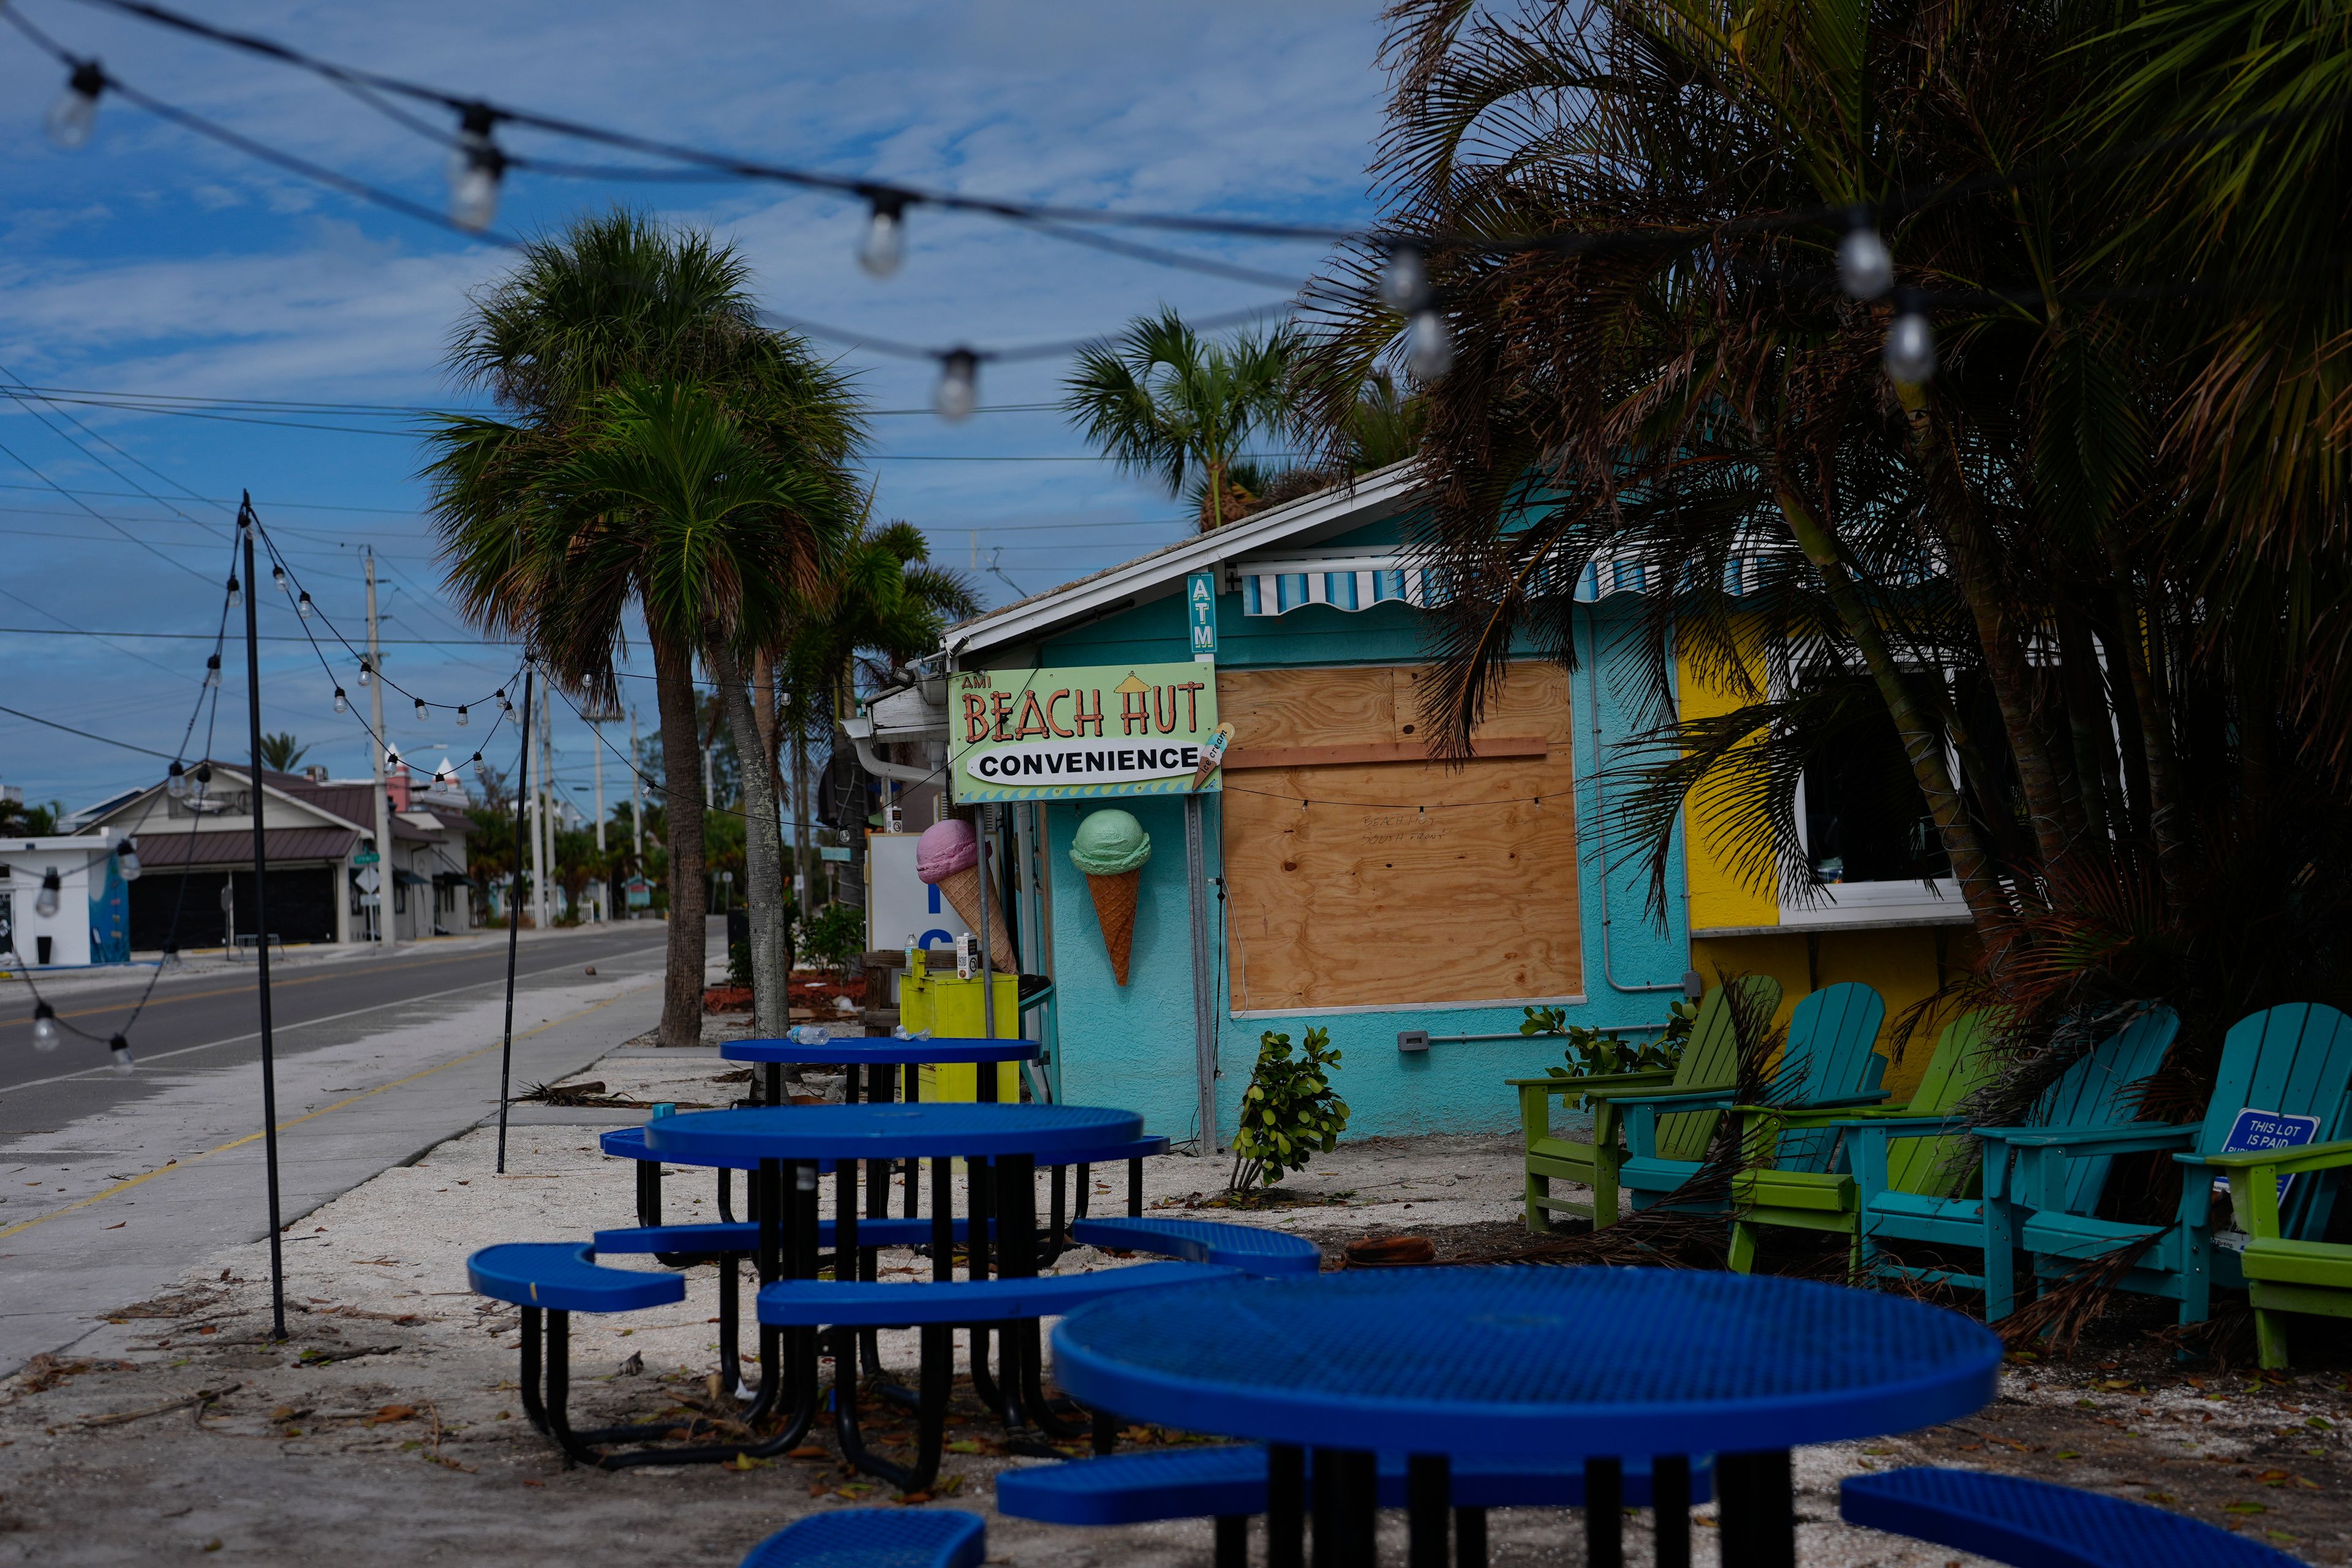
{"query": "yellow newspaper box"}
pixel 951 1009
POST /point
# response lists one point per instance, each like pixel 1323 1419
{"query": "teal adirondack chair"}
pixel 1831 1060
pixel 2294 1060
pixel 1710 1060
pixel 1831 1200
pixel 1912 1174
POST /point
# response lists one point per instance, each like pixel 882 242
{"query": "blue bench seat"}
pixel 848 1304
pixel 877 1538
pixel 1224 1482
pixel 565 1277
pixel 1250 1248
pixel 2037 1524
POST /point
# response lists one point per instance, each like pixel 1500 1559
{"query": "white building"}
pixel 79 882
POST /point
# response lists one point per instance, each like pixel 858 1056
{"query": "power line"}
pixel 265 636
pixel 85 734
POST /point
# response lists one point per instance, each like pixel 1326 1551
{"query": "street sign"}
pixel 638 892
pixel 370 880
pixel 366 857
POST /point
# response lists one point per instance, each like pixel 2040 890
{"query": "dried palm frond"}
pixel 2059 1314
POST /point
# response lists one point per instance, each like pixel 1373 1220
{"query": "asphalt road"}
pixel 208 1018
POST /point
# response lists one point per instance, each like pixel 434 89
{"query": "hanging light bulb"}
pixel 175 782
pixel 1429 347
pixel 75 113
pixel 476 167
pixel 212 670
pixel 120 1049
pixel 278 575
pixel 392 759
pixel 126 860
pixel 1404 281
pixel 461 715
pixel 366 672
pixel 1866 266
pixel 422 712
pixel 303 604
pixel 236 593
pixel 203 778
pixel 959 391
pixel 505 706
pixel 45 902
pixel 1910 345
pixel 885 236
pixel 47 1035
pixel 343 703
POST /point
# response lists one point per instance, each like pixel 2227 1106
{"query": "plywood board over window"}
pixel 1397 882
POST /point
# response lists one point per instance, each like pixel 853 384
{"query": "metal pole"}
pixel 1205 1020
pixel 387 878
pixel 261 919
pixel 596 753
pixel 538 818
pixel 636 794
pixel 514 917
pixel 987 962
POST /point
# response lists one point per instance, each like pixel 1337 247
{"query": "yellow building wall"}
pixel 1719 896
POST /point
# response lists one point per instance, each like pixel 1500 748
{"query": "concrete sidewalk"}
pixel 108 1209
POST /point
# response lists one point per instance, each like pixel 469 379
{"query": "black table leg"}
pixel 979 1211
pixel 1429 1494
pixel 1670 1492
pixel 914 1078
pixel 1323 1512
pixel 1285 1506
pixel 878 1206
pixel 1233 1540
pixel 1135 1189
pixel 1469 1538
pixel 1086 1187
pixel 1755 1501
pixel 1357 1503
pixel 1604 1513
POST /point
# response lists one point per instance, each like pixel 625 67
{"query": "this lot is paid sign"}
pixel 1066 734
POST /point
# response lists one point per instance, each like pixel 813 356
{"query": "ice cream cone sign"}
pixel 1213 754
pixel 1110 850
pixel 947 856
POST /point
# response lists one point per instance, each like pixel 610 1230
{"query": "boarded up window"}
pixel 1400 883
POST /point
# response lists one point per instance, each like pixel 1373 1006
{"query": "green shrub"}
pixel 1590 1052
pixel 835 937
pixel 1289 1111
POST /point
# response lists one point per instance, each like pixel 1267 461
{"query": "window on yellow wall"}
pixel 1359 875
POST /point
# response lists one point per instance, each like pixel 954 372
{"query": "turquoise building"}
pixel 1344 881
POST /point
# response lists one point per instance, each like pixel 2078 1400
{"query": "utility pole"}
pixel 387 878
pixel 637 795
pixel 538 828
pixel 596 753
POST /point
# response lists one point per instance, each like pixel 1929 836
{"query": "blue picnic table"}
pixel 1559 1364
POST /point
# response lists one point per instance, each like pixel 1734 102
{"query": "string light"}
pixel 476 167
pixel 366 672
pixel 1405 289
pixel 302 606
pixel 126 860
pixel 959 391
pixel 392 759
pixel 1429 346
pixel 236 593
pixel 885 236
pixel 1866 266
pixel 74 115
pixel 47 1035
pixel 212 670
pixel 1910 343
pixel 504 706
pixel 422 712
pixel 1404 281
pixel 203 779
pixel 461 715
pixel 343 703
pixel 277 576
pixel 176 777
pixel 120 1049
pixel 45 902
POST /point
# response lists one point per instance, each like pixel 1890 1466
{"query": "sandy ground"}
pixel 387 1429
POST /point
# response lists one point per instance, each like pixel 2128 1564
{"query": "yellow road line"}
pixel 124 1186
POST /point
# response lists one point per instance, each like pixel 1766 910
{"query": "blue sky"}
pixel 152 262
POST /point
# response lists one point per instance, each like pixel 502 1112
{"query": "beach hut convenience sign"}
pixel 1071 734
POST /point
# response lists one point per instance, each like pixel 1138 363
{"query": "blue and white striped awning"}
pixel 1275 586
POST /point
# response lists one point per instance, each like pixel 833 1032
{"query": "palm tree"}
pixel 615 298
pixel 281 752
pixel 1164 402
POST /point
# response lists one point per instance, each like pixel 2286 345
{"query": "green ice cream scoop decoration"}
pixel 1109 842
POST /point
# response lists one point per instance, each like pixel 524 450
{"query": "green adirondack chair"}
pixel 1710 1060
pixel 1831 1200
pixel 2284 1275
pixel 1831 1060
pixel 1910 1172
pixel 2291 1060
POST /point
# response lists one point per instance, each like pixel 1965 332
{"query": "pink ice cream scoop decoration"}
pixel 948 857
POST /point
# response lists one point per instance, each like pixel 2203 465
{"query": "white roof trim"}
pixel 1379 492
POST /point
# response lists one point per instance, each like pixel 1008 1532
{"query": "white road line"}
pixel 277 1029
